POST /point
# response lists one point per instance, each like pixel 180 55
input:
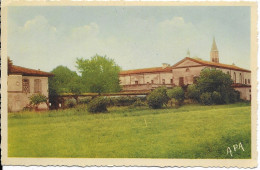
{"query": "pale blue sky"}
pixel 135 37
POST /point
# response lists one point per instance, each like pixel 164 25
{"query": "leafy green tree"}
pixel 63 81
pixel 193 92
pixel 157 98
pixel 212 80
pixel 206 98
pixel 99 74
pixel 178 94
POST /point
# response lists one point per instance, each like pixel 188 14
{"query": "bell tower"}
pixel 214 52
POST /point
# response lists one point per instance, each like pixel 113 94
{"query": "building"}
pixel 22 83
pixel 184 73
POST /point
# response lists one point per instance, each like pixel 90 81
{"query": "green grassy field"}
pixel 191 131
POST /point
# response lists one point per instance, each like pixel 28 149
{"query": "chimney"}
pixel 164 65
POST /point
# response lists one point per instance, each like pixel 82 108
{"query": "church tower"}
pixel 214 52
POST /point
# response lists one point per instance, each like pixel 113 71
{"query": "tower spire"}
pixel 214 57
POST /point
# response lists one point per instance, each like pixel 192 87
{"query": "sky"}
pixel 135 37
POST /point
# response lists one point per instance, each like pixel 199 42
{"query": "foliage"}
pixel 37 99
pixel 206 98
pixel 193 92
pixel 63 81
pixel 69 103
pixel 177 93
pixel 157 98
pixel 234 96
pixel 85 100
pixel 98 104
pixel 211 80
pixel 122 101
pixel 216 98
pixel 99 74
pixel 138 102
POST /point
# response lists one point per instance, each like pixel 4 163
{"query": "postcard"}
pixel 129 83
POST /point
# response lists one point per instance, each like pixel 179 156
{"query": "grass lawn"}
pixel 191 131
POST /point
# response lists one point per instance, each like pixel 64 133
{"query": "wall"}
pixel 245 92
pixel 146 78
pixel 186 74
pixel 17 100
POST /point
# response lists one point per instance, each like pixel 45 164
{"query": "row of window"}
pixel 37 86
pixel 247 81
pixel 152 82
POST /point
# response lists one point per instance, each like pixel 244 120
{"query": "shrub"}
pixel 177 93
pixel 70 103
pixel 137 103
pixel 98 104
pixel 122 101
pixel 216 98
pixel 206 98
pixel 157 98
pixel 37 99
pixel 234 96
pixel 193 92
pixel 84 100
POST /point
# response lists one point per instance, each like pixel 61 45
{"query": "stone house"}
pixel 184 73
pixel 24 82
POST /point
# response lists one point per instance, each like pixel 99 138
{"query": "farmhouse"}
pixel 22 83
pixel 184 73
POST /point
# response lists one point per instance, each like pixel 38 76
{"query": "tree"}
pixel 157 98
pixel 63 81
pixel 99 74
pixel 178 94
pixel 193 92
pixel 215 81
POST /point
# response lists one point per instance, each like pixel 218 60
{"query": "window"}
pixel 163 81
pixel 171 81
pixel 228 72
pixel 245 81
pixel 234 77
pixel 240 78
pixel 37 86
pixel 248 81
pixel 152 81
pixel 26 86
pixel 249 90
pixel 136 82
pixel 187 69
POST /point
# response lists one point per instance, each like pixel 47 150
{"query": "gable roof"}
pixel 146 70
pixel 208 63
pixel 12 69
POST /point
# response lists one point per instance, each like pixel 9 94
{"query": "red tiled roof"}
pixel 146 70
pixel 208 63
pixel 27 72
